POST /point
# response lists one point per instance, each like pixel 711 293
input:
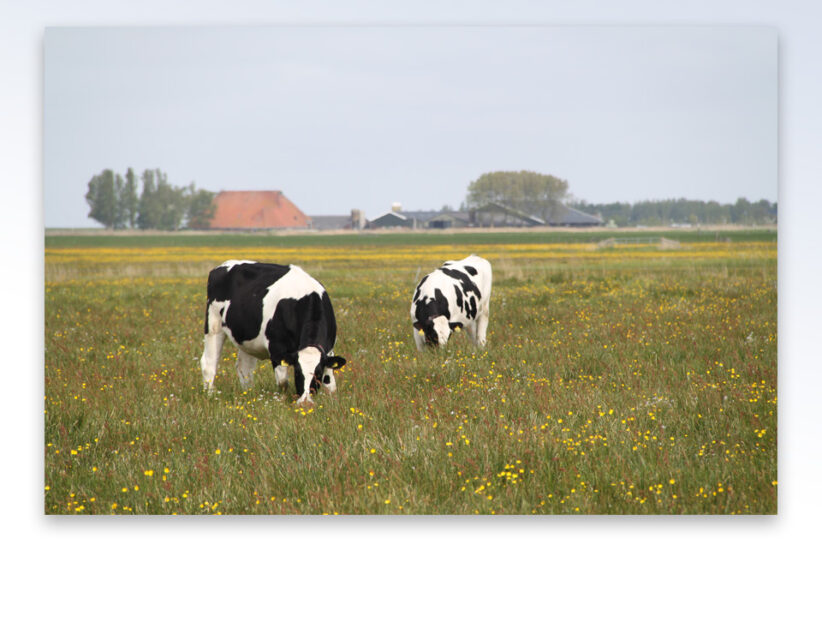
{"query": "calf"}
pixel 454 296
pixel 270 311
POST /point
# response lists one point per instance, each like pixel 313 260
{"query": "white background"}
pixel 710 574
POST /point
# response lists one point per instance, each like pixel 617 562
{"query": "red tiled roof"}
pixel 256 210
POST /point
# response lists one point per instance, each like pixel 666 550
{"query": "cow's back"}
pixel 242 288
pixel 478 270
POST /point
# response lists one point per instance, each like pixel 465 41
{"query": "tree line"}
pixel 542 195
pixel 114 202
pixel 682 211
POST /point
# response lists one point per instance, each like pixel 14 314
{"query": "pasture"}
pixel 622 380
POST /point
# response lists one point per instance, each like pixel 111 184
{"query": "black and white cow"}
pixel 271 311
pixel 454 296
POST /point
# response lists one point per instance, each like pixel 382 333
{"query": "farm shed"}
pixel 498 215
pixel 392 219
pixel 330 223
pixel 256 210
pixel 449 220
pixel 355 220
pixel 570 217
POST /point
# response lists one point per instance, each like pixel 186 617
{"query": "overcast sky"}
pixel 339 117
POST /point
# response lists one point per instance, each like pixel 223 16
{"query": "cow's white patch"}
pixel 229 263
pixel 293 285
pixel 308 359
pixel 216 315
pixel 442 329
pixel 212 346
pixel 328 379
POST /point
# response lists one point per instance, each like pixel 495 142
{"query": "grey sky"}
pixel 340 116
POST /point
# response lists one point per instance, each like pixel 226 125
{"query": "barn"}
pixel 254 210
pixel 570 217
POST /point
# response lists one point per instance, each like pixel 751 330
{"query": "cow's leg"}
pixel 281 375
pixel 245 368
pixel 419 340
pixel 212 347
pixel 482 327
pixel 471 327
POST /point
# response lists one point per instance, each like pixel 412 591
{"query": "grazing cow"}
pixel 454 296
pixel 270 311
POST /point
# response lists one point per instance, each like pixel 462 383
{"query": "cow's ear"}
pixel 455 326
pixel 417 325
pixel 335 363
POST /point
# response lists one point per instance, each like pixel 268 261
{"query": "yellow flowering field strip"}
pixel 405 255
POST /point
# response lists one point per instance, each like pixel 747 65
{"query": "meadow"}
pixel 620 380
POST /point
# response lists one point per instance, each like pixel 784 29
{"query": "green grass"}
pixel 57 239
pixel 635 386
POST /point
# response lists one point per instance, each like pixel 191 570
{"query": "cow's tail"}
pixel 216 282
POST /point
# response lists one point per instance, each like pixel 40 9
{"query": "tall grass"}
pixel 632 382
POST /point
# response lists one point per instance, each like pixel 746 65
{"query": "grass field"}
pixel 628 380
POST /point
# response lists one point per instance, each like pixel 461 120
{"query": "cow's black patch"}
pixel 458 294
pixel 466 282
pixel 471 308
pixel 427 309
pixel 299 323
pixel 419 289
pixel 244 285
pixel 470 270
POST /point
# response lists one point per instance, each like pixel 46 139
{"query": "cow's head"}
pixel 435 328
pixel 313 367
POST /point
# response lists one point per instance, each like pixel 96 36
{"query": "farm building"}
pixel 449 220
pixel 570 217
pixel 421 220
pixel 392 219
pixel 489 215
pixel 355 220
pixel 249 210
pixel 498 215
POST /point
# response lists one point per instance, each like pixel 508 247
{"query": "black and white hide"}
pixel 271 311
pixel 453 297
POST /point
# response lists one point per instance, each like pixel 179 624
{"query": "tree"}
pixel 129 202
pixel 115 204
pixel 119 221
pixel 162 205
pixel 200 208
pixel 171 204
pixel 102 199
pixel 531 192
pixel 147 212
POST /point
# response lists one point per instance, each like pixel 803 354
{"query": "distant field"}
pixel 65 238
pixel 622 380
